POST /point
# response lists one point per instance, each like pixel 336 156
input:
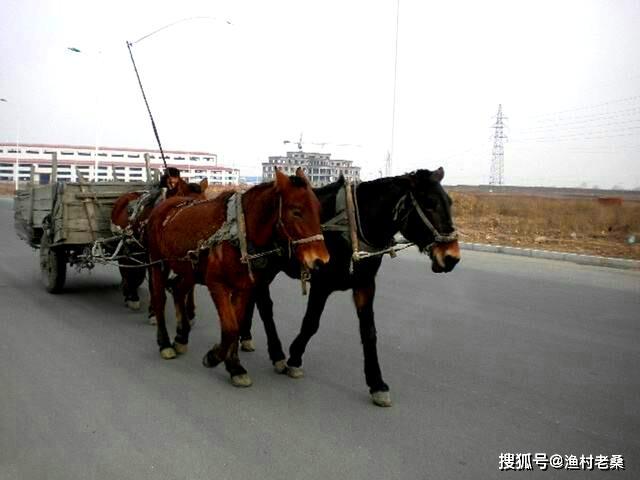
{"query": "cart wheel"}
pixel 53 265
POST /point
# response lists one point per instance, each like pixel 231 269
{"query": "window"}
pixel 134 155
pixel 119 155
pixel 66 153
pixel 84 154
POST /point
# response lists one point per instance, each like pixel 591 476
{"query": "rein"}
pixel 354 226
pixel 437 236
pixel 291 242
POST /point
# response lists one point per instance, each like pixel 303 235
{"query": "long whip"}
pixel 153 123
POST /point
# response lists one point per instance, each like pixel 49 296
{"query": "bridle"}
pixel 437 236
pixel 293 243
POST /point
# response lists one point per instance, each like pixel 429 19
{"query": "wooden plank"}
pixel 101 195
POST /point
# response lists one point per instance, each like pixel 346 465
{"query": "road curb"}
pixel 593 260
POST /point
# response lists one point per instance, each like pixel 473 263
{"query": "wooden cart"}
pixel 64 220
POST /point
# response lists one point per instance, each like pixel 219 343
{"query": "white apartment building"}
pixel 107 163
pixel 319 168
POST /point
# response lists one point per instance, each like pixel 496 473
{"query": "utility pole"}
pixel 497 160
pixel 387 165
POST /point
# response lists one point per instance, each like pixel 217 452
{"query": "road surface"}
pixel 503 355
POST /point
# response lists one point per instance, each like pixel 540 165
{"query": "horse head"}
pixel 299 219
pixel 427 220
pixel 184 189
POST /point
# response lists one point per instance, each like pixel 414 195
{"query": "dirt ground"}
pixel 576 225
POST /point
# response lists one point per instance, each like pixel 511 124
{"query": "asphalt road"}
pixel 503 355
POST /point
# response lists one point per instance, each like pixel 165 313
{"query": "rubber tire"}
pixel 53 265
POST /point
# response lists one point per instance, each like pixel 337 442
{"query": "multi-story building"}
pixel 319 168
pixel 107 163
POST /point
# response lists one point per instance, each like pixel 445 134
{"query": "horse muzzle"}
pixel 312 251
pixel 445 256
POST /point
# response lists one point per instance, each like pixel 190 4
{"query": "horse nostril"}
pixel 317 264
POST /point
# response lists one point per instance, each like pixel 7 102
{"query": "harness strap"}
pixel 437 236
pixel 242 236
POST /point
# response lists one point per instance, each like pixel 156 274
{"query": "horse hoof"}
pixel 241 380
pixel 181 348
pixel 152 320
pixel 168 353
pixel 280 366
pixel 295 372
pixel 248 345
pixel 381 399
pixel 133 305
pixel 209 360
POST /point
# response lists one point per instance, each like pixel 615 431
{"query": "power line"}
pixel 633 98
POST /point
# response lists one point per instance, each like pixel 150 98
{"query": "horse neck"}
pixel 260 206
pixel 182 190
pixel 376 202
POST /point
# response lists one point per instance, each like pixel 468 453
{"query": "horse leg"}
pixel 158 300
pixel 246 340
pixel 181 292
pixel 228 313
pixel 131 280
pixel 310 323
pixel 363 298
pixel 191 306
pixel 151 313
pixel 265 308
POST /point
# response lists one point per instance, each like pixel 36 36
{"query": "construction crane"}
pixel 299 143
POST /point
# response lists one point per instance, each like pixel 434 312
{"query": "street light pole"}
pixel 16 175
pixel 97 96
pixel 16 166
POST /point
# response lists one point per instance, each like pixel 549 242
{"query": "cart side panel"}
pixel 77 223
pixel 31 205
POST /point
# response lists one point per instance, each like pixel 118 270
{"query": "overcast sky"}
pixel 566 72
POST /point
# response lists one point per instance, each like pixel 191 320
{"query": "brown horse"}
pixel 284 214
pixel 135 253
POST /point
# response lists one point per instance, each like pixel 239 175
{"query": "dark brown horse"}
pixel 134 250
pixel 283 216
pixel 415 205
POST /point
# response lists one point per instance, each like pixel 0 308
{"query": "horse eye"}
pixel 296 212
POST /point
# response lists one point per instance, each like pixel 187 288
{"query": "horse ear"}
pixel 300 173
pixel 204 184
pixel 438 174
pixel 341 179
pixel 281 180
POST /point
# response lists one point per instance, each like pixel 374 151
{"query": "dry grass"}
pixel 7 189
pixel 575 225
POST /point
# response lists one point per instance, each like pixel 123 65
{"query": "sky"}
pixel 567 74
